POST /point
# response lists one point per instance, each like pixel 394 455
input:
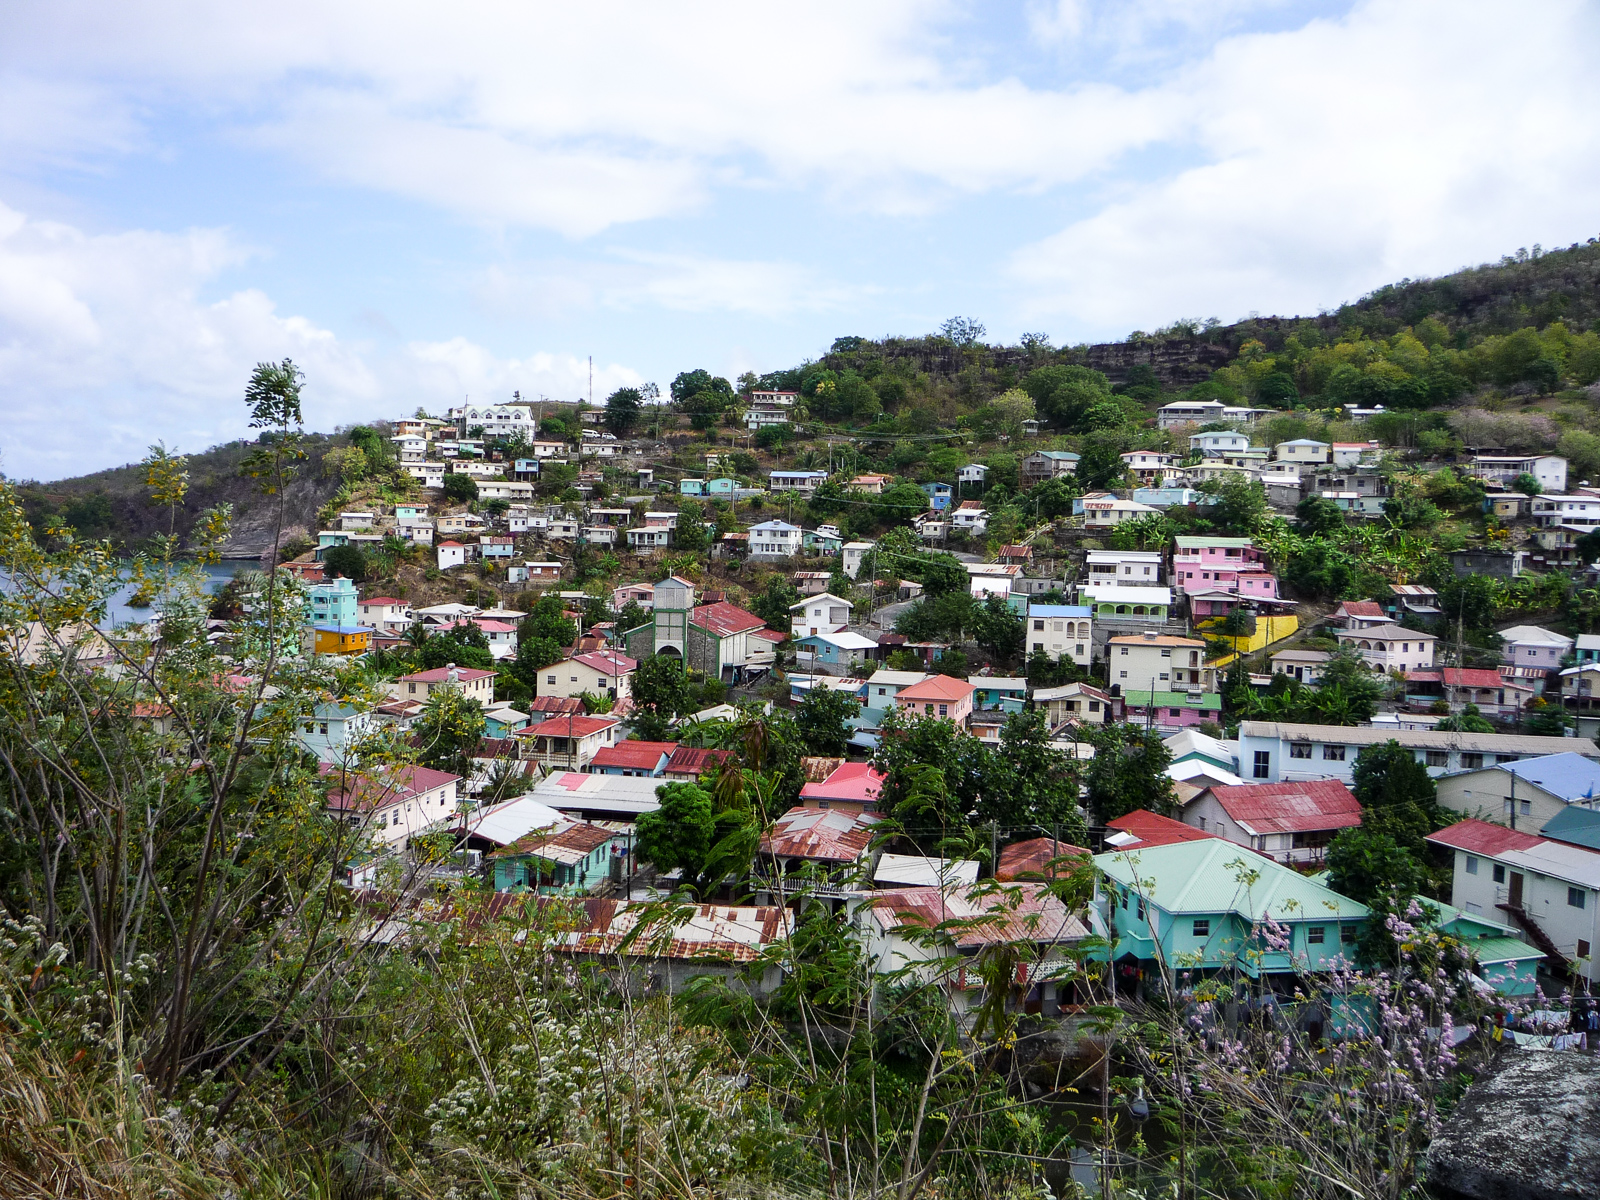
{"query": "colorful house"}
pixel 341 639
pixel 940 696
pixel 938 494
pixel 633 758
pixel 568 858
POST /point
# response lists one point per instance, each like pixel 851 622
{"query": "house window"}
pixel 1175 712
pixel 1078 649
pixel 411 688
pixel 550 679
pixel 944 710
pixel 1202 928
pixel 1140 910
pixel 1574 897
pixel 1499 873
pixel 1316 935
pixel 1263 764
pixel 1122 650
pixel 1094 706
pixel 1333 754
pixel 1347 935
pixel 1437 758
pixel 1038 626
pixel 1471 762
pixel 1300 750
pixel 1472 864
pixel 1583 948
pixel 1501 759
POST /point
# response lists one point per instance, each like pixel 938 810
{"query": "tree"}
pixel 348 561
pixel 1468 720
pixel 460 488
pixel 622 410
pixel 941 573
pixel 680 833
pixel 1372 868
pixel 1526 484
pixel 997 629
pixel 1319 516
pixel 1128 772
pixel 823 718
pixel 1241 505
pixel 774 602
pixel 1397 795
pixel 909 741
pixel 447 731
pixel 1029 783
pixel 963 331
pixel 1318 571
pixel 1100 466
pixel 548 619
pixel 660 693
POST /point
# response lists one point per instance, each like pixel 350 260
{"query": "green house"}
pixel 1505 962
pixel 1203 905
pixel 565 859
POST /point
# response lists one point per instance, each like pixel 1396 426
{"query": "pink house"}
pixel 939 696
pixel 1199 563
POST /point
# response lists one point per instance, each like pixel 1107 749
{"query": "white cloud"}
pixel 1335 158
pixel 107 344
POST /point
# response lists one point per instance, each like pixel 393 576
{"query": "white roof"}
pixel 897 679
pixel 1118 594
pixel 829 683
pixel 1122 556
pixel 571 790
pixel 1192 769
pixel 1388 631
pixel 912 870
pixel 1533 635
pixel 1192 741
pixel 1002 683
pixel 847 640
pixel 505 823
pixel 1589 641
pixel 1571 863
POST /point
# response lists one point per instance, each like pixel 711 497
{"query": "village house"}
pixel 393 806
pixel 774 539
pixel 795 481
pixel 1047 464
pixel 689 763
pixel 1290 822
pixel 385 613
pixel 834 842
pixel 1077 704
pixel 567 743
pixel 853 787
pixel 451 554
pixel 1108 512
pixel 1306 666
pixel 569 858
pixel 1150 466
pixel 717 941
pixel 1456 687
pixel 940 496
pixel 1532 646
pixel 640 760
pixel 938 695
pixel 825 613
pixel 332 602
pixel 1063 631
pixel 1390 648
pixel 1128 567
pixel 851 555
pixel 649 539
pixel 1274 750
pixel 1126 604
pixel 419 686
pixel 1548 889
pixel 599 673
pixel 834 653
pixel 1525 794
pixel 1502 470
pixel 724 641
pixel 332 728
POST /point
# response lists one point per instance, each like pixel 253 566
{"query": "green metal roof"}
pixel 1213 876
pixel 1207 700
pixel 1450 915
pixel 1503 949
pixel 1193 542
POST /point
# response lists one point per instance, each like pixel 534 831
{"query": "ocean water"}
pixel 217 576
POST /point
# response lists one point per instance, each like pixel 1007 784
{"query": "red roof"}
pixel 696 760
pixel 577 727
pixel 1290 807
pixel 449 543
pixel 939 687
pixel 380 600
pixel 442 675
pixel 1458 677
pixel 826 835
pixel 1360 608
pixel 634 756
pixel 1031 859
pixel 856 783
pixel 368 792
pixel 607 662
pixel 771 635
pixel 554 704
pixel 724 619
pixel 1151 829
pixel 1483 837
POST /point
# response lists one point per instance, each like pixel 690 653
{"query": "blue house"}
pixel 1203 905
pixel 938 495
pixel 691 487
pixel 567 859
pixel 819 542
pixel 834 652
pixel 1169 497
pixel 995 691
pixel 525 468
pixel 332 602
pixel 800 686
pixel 331 730
pixel 721 487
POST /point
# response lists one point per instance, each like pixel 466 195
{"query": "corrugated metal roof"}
pixel 1567 775
pixel 975 918
pixel 822 834
pixel 1215 876
pixel 1481 837
pixel 1419 739
pixel 1290 807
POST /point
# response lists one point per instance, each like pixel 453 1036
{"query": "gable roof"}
pixel 1482 837
pixel 1361 608
pixel 1142 827
pixel 1474 677
pixel 1214 876
pixel 856 783
pixel 696 760
pixel 1289 807
pixel 1017 912
pixel 1032 858
pixel 937 687
pixel 369 792
pixel 822 834
pixel 442 675
pixel 569 842
pixel 1570 776
pixel 635 756
pixel 607 662
pixel 724 619
pixel 567 726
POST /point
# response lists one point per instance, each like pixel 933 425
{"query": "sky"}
pixel 424 203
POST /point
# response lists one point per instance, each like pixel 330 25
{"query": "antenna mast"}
pixel 591 381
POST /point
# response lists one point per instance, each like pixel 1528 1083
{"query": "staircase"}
pixel 1537 936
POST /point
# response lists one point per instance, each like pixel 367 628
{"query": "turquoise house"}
pixel 1505 962
pixel 721 487
pixel 1004 693
pixel 834 652
pixel 332 602
pixel 691 487
pixel 565 859
pixel 1202 905
pixel 938 495
pixel 818 542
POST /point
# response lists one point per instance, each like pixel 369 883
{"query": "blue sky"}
pixel 421 202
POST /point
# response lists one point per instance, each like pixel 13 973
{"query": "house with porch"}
pixel 1047 464
pixel 567 743
pixel 1390 648
pixel 568 859
pixel 1290 822
pixel 640 760
pixel 1200 562
pixel 775 539
pixel 1063 631
pixel 828 847
pixel 1493 693
pixel 825 613
pixel 1077 704
pixel 1125 603
pixel 795 481
pixel 1107 512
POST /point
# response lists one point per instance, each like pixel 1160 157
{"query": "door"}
pixel 1515 899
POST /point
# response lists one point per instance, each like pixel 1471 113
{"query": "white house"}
pixel 1216 443
pixel 385 613
pixel 428 474
pixel 600 673
pixel 1160 663
pixel 1532 646
pixel 795 481
pixel 1274 750
pixel 1582 512
pixel 1063 631
pixel 1549 469
pixel 497 420
pixel 1303 450
pixel 826 613
pixel 568 743
pixel 1554 886
pixel 1106 512
pixel 972 473
pixel 451 554
pixel 850 556
pixel 474 684
pixel 1391 648
pixel 649 539
pixel 393 807
pixel 1124 566
pixel 775 539
pixel 971 516
pixel 505 489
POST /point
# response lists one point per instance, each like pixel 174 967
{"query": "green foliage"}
pixel 348 561
pixel 1318 515
pixel 448 730
pixel 997 629
pixel 622 410
pixel 1128 772
pixel 774 601
pixel 822 721
pixel 548 619
pixel 1065 395
pixel 660 693
pixel 680 833
pixel 1397 795
pixel 459 488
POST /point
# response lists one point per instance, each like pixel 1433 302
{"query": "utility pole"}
pixel 591 381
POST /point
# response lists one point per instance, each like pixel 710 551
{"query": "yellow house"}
pixel 342 639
